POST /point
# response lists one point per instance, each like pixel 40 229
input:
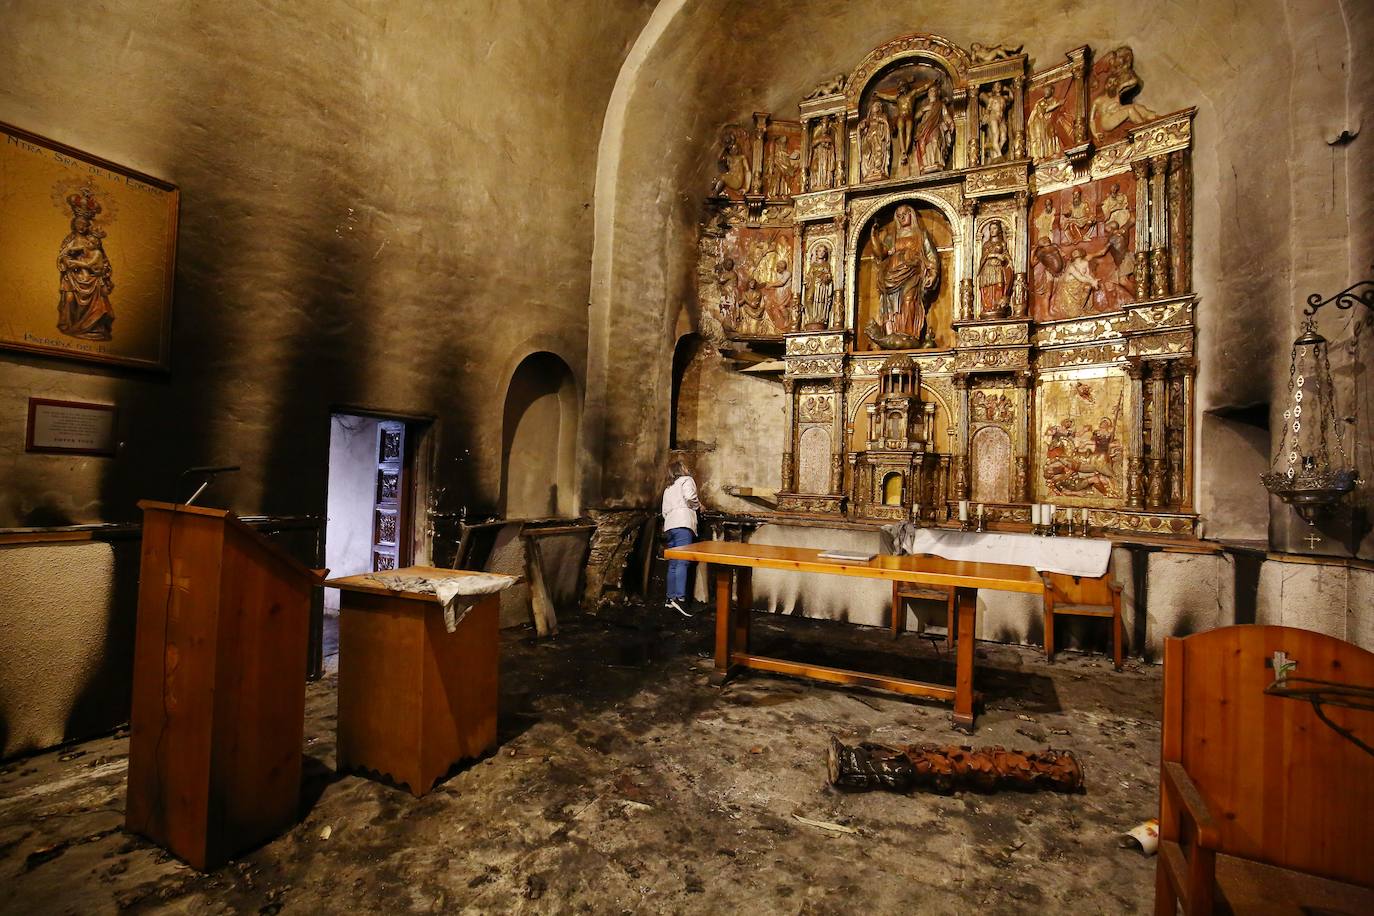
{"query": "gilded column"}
pixel 1135 370
pixel 837 443
pixel 1159 228
pixel 1180 222
pixel 1141 169
pixel 1179 433
pixel 962 484
pixel 1018 117
pixel 1159 421
pixel 1026 433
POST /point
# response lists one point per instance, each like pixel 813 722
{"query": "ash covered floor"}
pixel 640 788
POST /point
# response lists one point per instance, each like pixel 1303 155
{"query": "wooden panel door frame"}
pixel 414 538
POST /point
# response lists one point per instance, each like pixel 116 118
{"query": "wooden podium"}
pixel 219 685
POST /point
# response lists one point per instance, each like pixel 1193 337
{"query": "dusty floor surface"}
pixel 644 789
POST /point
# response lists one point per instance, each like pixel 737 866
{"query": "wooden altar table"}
pixel 732 621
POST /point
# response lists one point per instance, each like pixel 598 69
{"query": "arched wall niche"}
pixel 539 439
pixel 939 221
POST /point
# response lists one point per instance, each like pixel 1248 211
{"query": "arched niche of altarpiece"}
pixel 1011 237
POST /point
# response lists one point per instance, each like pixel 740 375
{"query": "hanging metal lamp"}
pixel 1311 470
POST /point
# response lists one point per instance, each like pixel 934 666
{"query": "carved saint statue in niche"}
pixel 875 143
pixel 735 174
pixel 906 273
pixel 820 290
pixel 1019 301
pixel 821 176
pixel 1040 126
pixel 1115 79
pixel 996 102
pixel 785 169
pixel 994 273
pixel 935 134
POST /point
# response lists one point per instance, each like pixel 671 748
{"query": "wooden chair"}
pixel 1263 806
pixel 904 590
pixel 1082 596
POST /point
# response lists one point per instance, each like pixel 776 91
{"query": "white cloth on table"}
pixel 456 593
pixel 1071 556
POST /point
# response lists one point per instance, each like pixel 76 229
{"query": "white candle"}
pixel 963 510
pixel 1049 519
pixel 980 510
pixel 1035 514
pixel 916 510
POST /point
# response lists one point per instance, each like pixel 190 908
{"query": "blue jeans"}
pixel 677 569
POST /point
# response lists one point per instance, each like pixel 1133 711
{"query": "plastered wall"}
pixel 384 205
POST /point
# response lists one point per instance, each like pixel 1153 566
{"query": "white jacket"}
pixel 680 504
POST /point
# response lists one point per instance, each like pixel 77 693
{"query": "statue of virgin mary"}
pixel 906 273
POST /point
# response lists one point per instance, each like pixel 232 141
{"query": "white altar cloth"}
pixel 1072 556
pixel 457 593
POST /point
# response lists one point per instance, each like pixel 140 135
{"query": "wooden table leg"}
pixel 967 601
pixel 725 630
pixel 743 611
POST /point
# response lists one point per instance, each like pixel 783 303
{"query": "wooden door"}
pixel 391 503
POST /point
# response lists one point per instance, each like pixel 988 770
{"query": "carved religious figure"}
pixel 735 173
pixel 1045 220
pixel 752 316
pixel 827 87
pixel 85 276
pixel 1075 285
pixel 1116 79
pixel 986 54
pixel 820 290
pixel 875 144
pixel 1019 302
pixel 994 273
pixel 786 167
pixel 1040 126
pixel 1078 222
pixel 1116 208
pixel 821 175
pixel 935 134
pixel 904 100
pixel 727 282
pixel 996 102
pixel 907 273
pixel 778 297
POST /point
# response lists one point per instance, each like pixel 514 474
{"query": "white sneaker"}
pixel 677 605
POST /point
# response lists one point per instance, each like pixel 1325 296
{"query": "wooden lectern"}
pixel 219 685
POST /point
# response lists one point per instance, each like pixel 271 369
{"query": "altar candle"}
pixel 963 510
pixel 980 510
pixel 1035 514
pixel 1049 519
pixel 916 510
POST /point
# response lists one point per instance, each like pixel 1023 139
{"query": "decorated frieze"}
pixel 1082 355
pixel 814 366
pixel 1082 330
pixel 819 205
pixel 1148 317
pixel 994 335
pixel 997 179
pixel 1001 359
pixel 1168 343
pixel 804 344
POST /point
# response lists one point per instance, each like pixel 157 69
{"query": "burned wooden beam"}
pixel 951 767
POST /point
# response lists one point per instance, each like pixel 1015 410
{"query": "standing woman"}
pixel 680 505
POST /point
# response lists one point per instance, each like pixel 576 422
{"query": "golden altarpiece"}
pixel 979 278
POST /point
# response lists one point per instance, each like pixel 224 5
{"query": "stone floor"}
pixel 620 786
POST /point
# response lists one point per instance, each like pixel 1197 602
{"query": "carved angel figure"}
pixel 875 144
pixel 735 174
pixel 985 54
pixel 1117 81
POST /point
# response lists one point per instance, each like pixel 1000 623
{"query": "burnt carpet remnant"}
pixel 641 788
pixel 944 769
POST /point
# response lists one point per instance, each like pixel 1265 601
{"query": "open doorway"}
pixel 370 521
